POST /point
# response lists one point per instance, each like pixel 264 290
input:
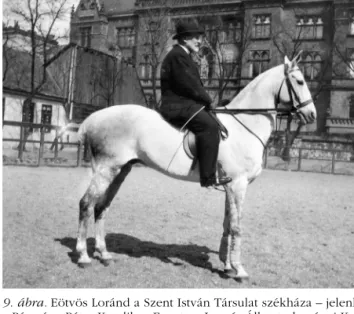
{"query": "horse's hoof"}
pixel 106 262
pixel 232 273
pixel 84 265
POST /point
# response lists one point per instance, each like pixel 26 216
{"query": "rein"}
pixel 294 101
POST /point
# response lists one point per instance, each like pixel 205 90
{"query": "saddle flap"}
pixel 189 144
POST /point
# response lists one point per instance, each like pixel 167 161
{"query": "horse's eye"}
pixel 300 82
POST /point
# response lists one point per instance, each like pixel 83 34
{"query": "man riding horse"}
pixel 183 98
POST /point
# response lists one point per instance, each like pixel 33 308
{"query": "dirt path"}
pixel 164 233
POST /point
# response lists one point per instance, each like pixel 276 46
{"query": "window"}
pixel 351 24
pixel 229 32
pixel 85 36
pixel 28 112
pixel 46 117
pixel 311 64
pixel 206 64
pixel 230 69
pixel 146 68
pixel 351 107
pixel 350 53
pixel 3 108
pixel 126 37
pixel 309 27
pixel 151 101
pixel 261 26
pixel 259 60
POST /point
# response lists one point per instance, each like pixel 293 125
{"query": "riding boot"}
pixel 207 153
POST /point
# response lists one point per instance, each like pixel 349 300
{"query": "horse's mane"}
pixel 247 90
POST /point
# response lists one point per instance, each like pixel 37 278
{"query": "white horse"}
pixel 121 135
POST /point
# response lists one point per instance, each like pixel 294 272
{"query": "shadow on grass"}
pixel 192 254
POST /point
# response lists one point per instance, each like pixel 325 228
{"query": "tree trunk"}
pixel 289 139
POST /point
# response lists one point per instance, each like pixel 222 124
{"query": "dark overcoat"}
pixel 180 80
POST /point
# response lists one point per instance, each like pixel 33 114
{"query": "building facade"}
pixel 75 82
pixel 243 38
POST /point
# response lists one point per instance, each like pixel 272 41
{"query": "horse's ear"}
pixel 287 65
pixel 286 60
pixel 297 58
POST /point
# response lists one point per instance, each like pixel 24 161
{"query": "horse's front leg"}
pixel 224 249
pixel 231 240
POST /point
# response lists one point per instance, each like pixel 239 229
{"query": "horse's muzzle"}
pixel 307 114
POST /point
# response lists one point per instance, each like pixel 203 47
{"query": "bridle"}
pixel 294 101
pixel 294 97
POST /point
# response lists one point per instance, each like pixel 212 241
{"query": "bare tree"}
pixel 40 18
pixel 290 41
pixel 154 35
pixel 342 55
pixel 105 79
pixel 227 39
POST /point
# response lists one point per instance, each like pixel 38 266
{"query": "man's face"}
pixel 193 42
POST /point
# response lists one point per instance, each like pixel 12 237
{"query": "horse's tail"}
pixel 84 140
pixel 82 132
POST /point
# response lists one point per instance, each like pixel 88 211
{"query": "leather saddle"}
pixel 189 142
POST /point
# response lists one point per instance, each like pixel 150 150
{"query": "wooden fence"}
pixel 298 163
pixel 42 127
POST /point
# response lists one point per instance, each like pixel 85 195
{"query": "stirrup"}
pixel 216 182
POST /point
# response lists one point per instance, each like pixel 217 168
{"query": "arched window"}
pixel 351 64
pixel 261 26
pixel 255 64
pixel 319 29
pixel 309 30
pixel 206 64
pixel 126 37
pixel 222 36
pixel 259 61
pixel 312 65
pixel 132 38
pixel 121 35
pixel 299 28
pixel 308 67
pixel 309 27
pixel 145 68
pixel 238 32
pixel 230 33
pixel 316 66
pixel 213 34
pixel 266 27
pixel 351 28
pixel 265 61
pixel 258 27
pixel 86 36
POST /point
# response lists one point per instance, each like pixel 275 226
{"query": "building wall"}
pixel 284 17
pixel 342 100
pixel 13 112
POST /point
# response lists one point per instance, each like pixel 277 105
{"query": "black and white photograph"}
pixel 177 144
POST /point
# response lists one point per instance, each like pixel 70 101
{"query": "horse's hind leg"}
pixel 94 200
pixel 101 210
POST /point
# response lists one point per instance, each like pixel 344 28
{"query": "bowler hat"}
pixel 187 28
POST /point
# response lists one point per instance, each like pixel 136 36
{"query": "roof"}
pixel 110 7
pixel 118 6
pixel 17 65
